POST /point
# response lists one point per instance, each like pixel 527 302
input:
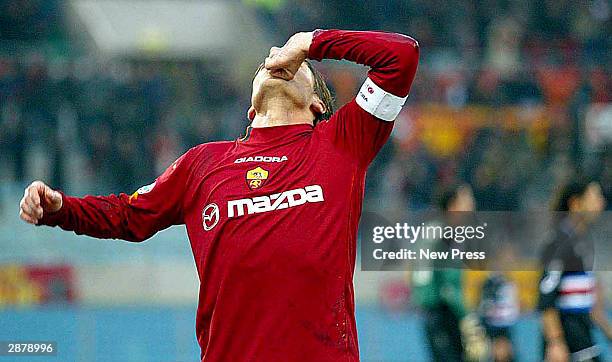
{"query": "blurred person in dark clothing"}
pixel 453 334
pixel 499 310
pixel 568 287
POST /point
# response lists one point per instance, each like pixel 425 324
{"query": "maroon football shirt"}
pixel 272 218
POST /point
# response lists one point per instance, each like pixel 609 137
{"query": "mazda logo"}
pixel 210 216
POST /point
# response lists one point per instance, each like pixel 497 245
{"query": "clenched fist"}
pixel 38 199
pixel 286 61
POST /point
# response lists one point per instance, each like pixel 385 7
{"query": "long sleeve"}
pixel 393 58
pixel 133 217
pixel 363 125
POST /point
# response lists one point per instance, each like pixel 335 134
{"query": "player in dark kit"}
pixel 272 218
pixel 568 292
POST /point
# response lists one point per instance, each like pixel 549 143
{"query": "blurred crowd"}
pixel 550 54
pixel 119 123
pixel 128 120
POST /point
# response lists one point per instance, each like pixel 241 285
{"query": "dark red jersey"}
pixel 272 218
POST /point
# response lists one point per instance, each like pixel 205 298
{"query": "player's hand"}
pixel 37 200
pixel 557 352
pixel 286 61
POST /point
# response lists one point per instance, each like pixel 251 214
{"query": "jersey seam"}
pixel 347 263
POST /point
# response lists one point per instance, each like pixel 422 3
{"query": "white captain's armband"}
pixel 378 102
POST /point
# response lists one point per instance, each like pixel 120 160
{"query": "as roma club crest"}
pixel 256 178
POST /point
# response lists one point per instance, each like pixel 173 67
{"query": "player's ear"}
pixel 251 113
pixel 317 107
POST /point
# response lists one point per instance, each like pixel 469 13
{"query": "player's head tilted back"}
pixel 306 91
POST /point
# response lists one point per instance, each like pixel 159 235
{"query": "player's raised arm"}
pixel 363 125
pixel 133 217
pixel 393 59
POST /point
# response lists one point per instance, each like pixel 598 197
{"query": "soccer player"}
pixel 568 293
pixel 272 218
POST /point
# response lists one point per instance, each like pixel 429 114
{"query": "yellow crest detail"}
pixel 256 178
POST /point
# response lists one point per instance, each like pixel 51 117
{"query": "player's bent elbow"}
pixel 407 51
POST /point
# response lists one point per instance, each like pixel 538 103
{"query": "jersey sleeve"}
pixel 548 288
pixel 133 217
pixel 362 126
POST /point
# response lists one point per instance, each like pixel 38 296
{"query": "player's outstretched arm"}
pixel 133 217
pixel 105 217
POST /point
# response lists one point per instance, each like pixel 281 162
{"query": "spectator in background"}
pixel 29 20
pixel 503 53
